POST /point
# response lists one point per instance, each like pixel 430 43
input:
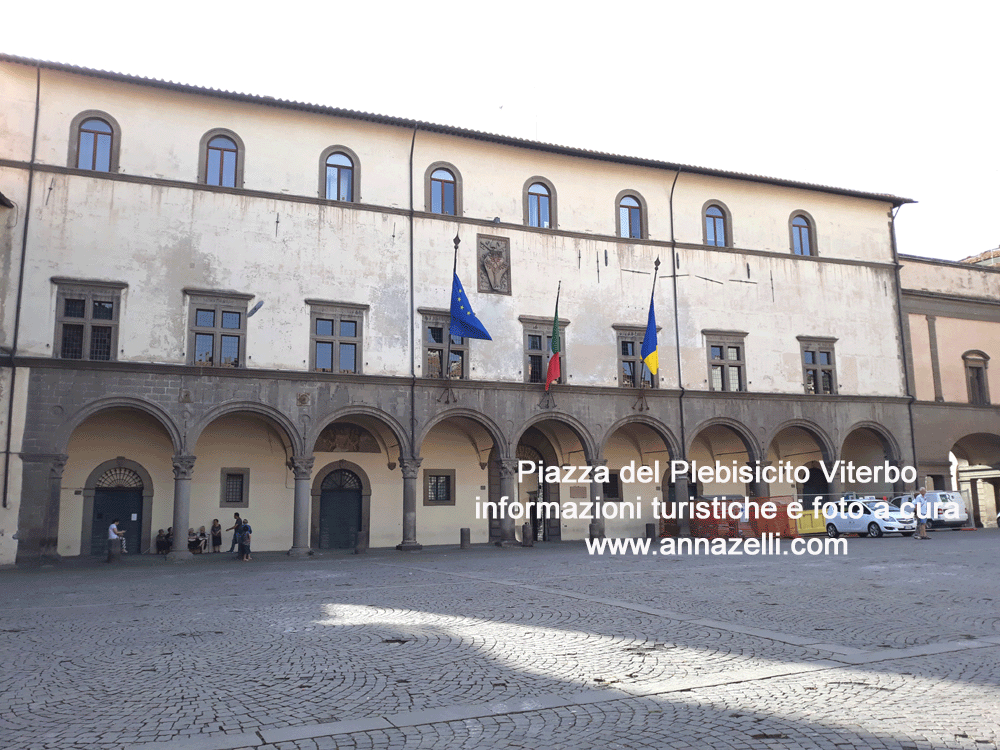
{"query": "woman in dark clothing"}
pixel 216 535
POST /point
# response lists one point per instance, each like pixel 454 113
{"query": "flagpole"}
pixel 446 365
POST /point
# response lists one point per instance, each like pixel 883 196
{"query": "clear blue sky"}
pixel 881 97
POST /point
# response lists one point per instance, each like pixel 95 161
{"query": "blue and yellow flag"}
pixel 648 351
pixel 463 321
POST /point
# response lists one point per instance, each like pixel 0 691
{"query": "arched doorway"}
pixel 339 510
pixel 118 493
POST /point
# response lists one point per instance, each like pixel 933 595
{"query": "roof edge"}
pixel 449 130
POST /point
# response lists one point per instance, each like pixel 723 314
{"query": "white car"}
pixel 947 509
pixel 869 517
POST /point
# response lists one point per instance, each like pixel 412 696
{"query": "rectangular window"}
pixel 335 338
pixel 217 328
pixel 819 372
pixel 435 329
pixel 439 487
pixel 538 348
pixel 726 360
pixel 632 371
pixel 87 319
pixel 235 488
pixel 976 363
pixel 611 490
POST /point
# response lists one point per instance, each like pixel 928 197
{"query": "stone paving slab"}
pixel 893 647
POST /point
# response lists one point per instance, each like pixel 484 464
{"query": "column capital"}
pixel 508 467
pixel 301 466
pixel 183 466
pixel 56 461
pixel 410 467
pixel 58 465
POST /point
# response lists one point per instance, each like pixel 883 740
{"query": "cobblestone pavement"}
pixel 896 645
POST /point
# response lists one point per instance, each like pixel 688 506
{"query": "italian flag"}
pixel 554 369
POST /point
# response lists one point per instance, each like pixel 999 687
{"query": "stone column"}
pixel 898 488
pixel 411 470
pixel 684 504
pixel 761 488
pixel 38 516
pixel 183 469
pixel 508 487
pixel 597 530
pixel 302 467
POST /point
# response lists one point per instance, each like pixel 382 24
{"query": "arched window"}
pixel 630 219
pixel 93 142
pixel 339 177
pixel 716 226
pixel 803 241
pixel 539 203
pixel 220 166
pixel 221 162
pixel 95 145
pixel 442 192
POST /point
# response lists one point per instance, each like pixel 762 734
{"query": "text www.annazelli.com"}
pixel 768 545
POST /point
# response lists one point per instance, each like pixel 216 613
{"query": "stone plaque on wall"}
pixel 493 264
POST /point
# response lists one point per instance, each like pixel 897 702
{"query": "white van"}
pixel 947 509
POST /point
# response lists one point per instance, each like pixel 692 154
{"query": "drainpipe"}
pixel 413 366
pixel 677 326
pixel 20 291
pixel 902 338
pixel 681 490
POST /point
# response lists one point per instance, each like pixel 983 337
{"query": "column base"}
pixel 409 547
pixel 29 559
pixel 507 543
pixel 300 552
pixel 179 555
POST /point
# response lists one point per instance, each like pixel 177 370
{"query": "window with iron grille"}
pixel 439 487
pixel 217 328
pixel 87 314
pixel 819 365
pixel 611 490
pixel 235 488
pixel 336 336
pixel 726 360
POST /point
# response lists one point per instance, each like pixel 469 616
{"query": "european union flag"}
pixel 463 321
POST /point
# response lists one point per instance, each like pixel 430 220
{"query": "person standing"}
pixel 216 535
pixel 235 528
pixel 922 507
pixel 245 535
pixel 115 540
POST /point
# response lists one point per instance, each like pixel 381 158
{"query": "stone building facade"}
pixel 217 302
